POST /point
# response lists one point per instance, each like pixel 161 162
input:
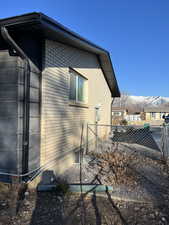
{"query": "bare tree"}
pixel 122 101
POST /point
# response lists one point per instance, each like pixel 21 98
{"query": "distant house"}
pixel 51 80
pixel 133 116
pixel 155 113
pixel 118 114
pixel 121 113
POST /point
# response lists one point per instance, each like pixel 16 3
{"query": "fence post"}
pixel 87 139
pixel 96 132
pixel 165 142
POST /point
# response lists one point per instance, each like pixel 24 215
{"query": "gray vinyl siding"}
pixel 11 115
pixel 8 112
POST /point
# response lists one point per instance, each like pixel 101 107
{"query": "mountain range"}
pixel 132 102
pixel 149 101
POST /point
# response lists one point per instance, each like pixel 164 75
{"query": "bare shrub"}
pixel 115 167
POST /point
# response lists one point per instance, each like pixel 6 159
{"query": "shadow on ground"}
pixel 70 209
pixel 90 208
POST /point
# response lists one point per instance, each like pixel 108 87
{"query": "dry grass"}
pixel 4 189
pixel 116 167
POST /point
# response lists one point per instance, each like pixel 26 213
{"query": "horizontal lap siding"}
pixel 61 124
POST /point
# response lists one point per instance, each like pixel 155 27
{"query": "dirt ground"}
pixel 140 194
pixel 48 208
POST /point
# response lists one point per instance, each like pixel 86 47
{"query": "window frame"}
pixel 117 114
pixel 76 101
pixel 153 115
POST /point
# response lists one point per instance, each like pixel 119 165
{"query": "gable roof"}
pixel 51 29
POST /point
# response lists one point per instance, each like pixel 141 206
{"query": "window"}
pixel 117 113
pixel 153 115
pixel 78 87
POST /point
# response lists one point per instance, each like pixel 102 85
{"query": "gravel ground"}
pixel 140 196
pixel 48 208
pixel 134 171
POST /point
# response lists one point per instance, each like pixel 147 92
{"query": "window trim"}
pixel 75 71
pixel 75 102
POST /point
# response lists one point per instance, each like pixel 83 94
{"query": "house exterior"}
pixel 118 114
pixel 51 80
pixel 156 114
pixel 121 113
pixel 133 116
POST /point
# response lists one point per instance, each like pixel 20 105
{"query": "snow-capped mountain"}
pixel 132 102
pixel 150 101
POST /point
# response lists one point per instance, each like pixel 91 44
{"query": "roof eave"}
pixel 104 56
pixel 54 28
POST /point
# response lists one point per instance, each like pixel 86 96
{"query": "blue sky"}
pixel 136 33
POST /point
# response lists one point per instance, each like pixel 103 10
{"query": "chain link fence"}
pixel 102 137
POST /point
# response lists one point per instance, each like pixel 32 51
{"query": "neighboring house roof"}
pixel 50 29
pixel 128 111
pixel 118 109
pixel 159 109
pixel 133 113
